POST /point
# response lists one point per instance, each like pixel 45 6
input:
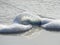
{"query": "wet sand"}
pixel 9 9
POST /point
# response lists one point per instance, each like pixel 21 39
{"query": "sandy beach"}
pixel 9 9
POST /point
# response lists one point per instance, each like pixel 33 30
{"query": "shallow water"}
pixel 46 8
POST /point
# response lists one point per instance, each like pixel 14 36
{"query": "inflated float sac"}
pixel 26 19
